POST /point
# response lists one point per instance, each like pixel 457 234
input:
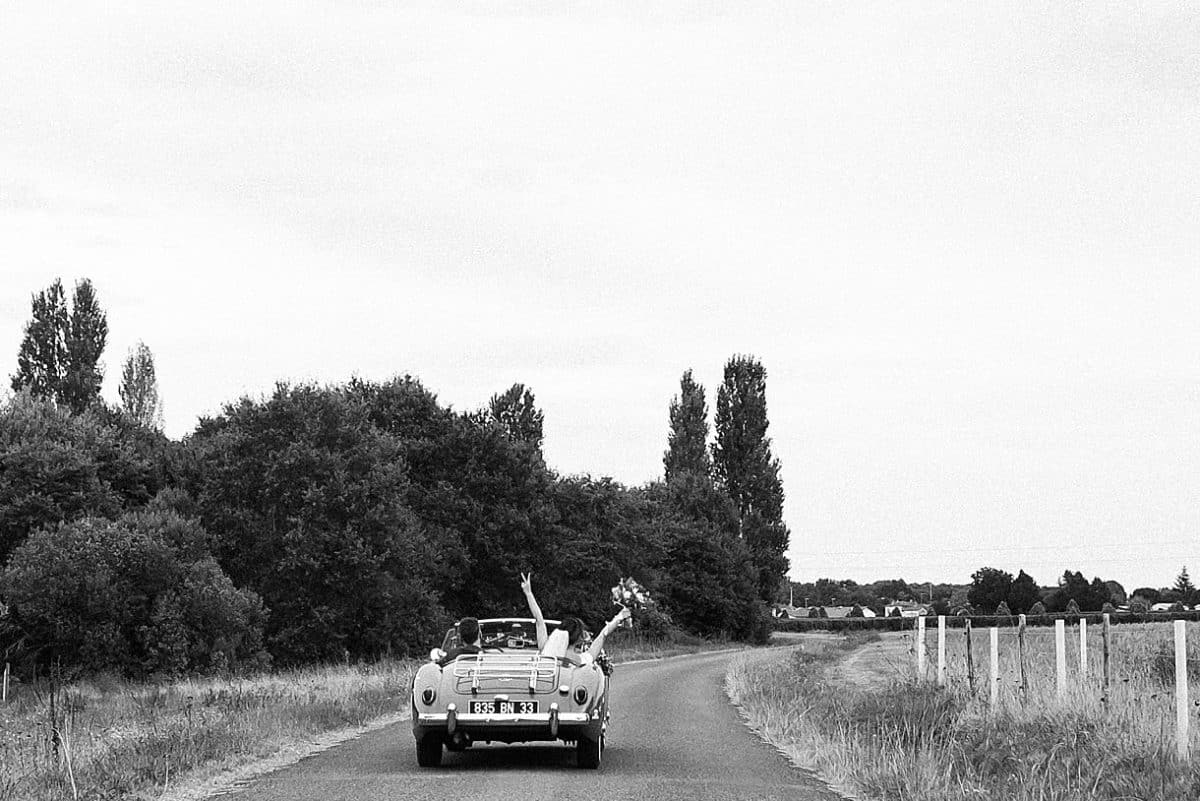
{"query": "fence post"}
pixel 941 677
pixel 920 646
pixel 1107 670
pixel 1083 666
pixel 1181 690
pixel 970 660
pixel 994 659
pixel 4 695
pixel 1060 657
pixel 1021 652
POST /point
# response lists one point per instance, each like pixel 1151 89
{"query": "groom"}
pixel 469 641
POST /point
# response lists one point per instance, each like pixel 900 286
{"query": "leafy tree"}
pixel 307 502
pixel 1099 594
pixel 139 388
pixel 706 578
pixel 56 468
pixel 42 358
pixel 1023 593
pixel 747 471
pixel 827 592
pixel 1089 596
pixel 60 354
pixel 1116 592
pixel 990 587
pixel 1149 595
pixel 486 497
pixel 857 611
pixel 892 590
pixel 515 412
pixel 1185 590
pixel 687 442
pixel 140 596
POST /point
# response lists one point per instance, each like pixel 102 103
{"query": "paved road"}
pixel 673 735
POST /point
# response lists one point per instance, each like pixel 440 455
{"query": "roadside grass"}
pixel 897 739
pixel 120 739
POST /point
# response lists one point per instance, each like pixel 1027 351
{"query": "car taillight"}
pixel 427 696
pixel 581 695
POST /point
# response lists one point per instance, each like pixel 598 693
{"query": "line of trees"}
pixel 353 520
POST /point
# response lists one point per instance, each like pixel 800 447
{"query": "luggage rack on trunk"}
pixel 507 667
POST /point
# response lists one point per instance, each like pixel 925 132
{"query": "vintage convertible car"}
pixel 509 693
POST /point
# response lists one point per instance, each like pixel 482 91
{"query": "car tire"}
pixel 429 750
pixel 589 751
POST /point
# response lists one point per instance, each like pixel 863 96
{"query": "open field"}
pixel 852 710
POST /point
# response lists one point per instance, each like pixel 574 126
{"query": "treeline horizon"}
pixel 348 520
pixel 994 591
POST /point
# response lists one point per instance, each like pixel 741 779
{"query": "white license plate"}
pixel 502 707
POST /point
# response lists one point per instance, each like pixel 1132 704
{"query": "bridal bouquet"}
pixel 630 594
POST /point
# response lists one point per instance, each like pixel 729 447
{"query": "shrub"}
pixel 1037 609
pixel 137 596
pixel 856 611
pixel 1072 607
pixel 1002 610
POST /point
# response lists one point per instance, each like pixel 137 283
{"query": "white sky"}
pixel 964 239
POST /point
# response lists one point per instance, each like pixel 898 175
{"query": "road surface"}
pixel 673 735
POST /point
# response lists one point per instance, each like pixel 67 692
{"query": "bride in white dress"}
pixel 564 640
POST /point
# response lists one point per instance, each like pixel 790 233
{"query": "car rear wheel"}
pixel 429 750
pixel 588 751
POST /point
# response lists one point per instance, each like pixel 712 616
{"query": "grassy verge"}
pixel 896 739
pixel 125 740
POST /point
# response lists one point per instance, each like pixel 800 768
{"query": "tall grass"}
pixel 109 739
pixel 903 739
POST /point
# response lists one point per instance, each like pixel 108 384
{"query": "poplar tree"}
pixel 746 470
pixel 139 387
pixel 59 357
pixel 87 333
pixel 687 442
pixel 42 359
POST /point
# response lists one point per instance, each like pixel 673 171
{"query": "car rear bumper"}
pixel 552 725
pixel 442 719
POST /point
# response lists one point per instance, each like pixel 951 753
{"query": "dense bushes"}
pixel 138 595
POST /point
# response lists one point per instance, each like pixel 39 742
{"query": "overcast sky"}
pixel 964 239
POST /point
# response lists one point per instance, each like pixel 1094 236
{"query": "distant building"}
pixel 907 609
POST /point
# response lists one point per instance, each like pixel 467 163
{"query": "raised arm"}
pixel 534 609
pixel 598 641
